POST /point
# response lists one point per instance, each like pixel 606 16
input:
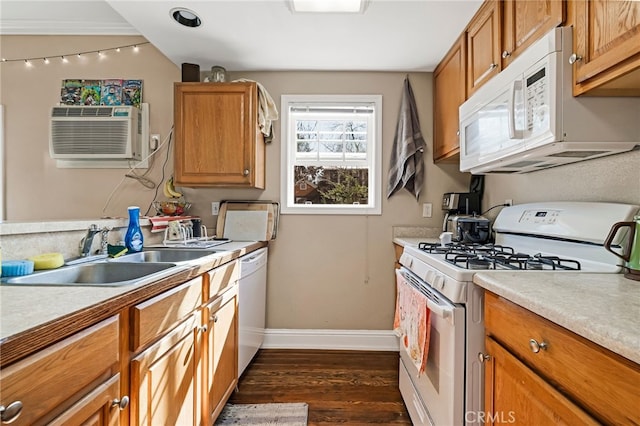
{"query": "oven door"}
pixel 436 397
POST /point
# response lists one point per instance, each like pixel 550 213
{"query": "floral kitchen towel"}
pixel 412 322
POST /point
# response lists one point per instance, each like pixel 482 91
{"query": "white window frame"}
pixel 288 148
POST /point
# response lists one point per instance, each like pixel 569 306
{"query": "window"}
pixel 331 154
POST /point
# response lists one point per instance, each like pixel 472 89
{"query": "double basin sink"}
pixel 137 268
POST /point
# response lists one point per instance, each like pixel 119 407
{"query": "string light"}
pixel 64 58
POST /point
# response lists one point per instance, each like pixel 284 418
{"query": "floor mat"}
pixel 290 414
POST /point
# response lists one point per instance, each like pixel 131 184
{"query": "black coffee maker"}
pixel 463 203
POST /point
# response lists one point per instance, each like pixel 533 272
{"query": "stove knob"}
pixel 430 277
pixel 439 282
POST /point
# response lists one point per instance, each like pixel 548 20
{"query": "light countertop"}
pixel 30 307
pixel 413 241
pixel 603 308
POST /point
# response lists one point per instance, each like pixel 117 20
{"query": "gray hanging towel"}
pixel 406 169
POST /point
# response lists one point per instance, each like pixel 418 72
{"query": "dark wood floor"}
pixel 341 387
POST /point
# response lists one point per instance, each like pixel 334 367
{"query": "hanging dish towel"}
pixel 406 169
pixel 412 322
pixel 267 111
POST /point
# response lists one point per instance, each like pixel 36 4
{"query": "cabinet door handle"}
pixel 483 357
pixel 246 172
pixel 537 347
pixel 214 318
pixel 574 58
pixel 505 54
pixel 11 412
pixel 493 66
pixel 203 329
pixel 120 403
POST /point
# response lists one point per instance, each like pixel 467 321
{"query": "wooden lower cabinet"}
pixel 72 379
pixel 221 351
pixel 165 379
pixel 169 360
pixel 99 408
pixel 541 373
pixel 514 394
pixel 186 375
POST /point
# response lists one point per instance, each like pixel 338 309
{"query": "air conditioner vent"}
pixel 96 132
pixel 89 137
pixel 82 112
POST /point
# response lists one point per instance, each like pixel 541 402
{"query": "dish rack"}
pixel 180 234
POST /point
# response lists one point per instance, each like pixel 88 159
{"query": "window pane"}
pixel 331 185
pixel 331 126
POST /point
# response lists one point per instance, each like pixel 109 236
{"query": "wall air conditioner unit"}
pixel 96 133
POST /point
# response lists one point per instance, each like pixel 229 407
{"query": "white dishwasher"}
pixel 252 300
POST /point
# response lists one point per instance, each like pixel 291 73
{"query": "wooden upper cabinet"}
pixel 484 45
pixel 217 139
pixel 449 94
pixel 606 43
pixel 524 22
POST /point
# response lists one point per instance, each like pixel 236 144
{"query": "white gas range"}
pixel 553 236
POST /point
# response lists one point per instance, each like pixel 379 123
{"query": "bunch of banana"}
pixel 169 190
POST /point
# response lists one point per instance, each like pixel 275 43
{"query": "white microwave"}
pixel 526 118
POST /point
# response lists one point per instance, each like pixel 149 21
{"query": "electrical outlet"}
pixel 154 142
pixel 508 202
pixel 427 209
pixel 215 208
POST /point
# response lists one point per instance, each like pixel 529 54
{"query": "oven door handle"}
pixel 441 311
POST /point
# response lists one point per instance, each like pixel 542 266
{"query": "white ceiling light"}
pixel 328 6
pixel 185 17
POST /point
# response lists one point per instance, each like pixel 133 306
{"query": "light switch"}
pixel 426 209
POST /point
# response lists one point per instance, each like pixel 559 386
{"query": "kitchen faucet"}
pixel 85 243
pixel 104 242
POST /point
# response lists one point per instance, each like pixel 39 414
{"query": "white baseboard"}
pixel 362 340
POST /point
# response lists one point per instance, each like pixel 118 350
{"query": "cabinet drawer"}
pixel 602 382
pixel 160 314
pixel 47 381
pixel 95 408
pixel 221 277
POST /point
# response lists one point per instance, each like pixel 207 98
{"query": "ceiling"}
pixel 246 35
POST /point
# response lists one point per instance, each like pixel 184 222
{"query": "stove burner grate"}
pixel 495 256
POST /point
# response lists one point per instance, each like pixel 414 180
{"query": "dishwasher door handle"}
pixel 251 258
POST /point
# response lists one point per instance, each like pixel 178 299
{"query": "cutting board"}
pixel 247 220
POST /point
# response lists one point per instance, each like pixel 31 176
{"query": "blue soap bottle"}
pixel 133 238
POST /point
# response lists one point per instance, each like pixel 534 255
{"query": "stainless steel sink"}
pixel 165 255
pixel 102 274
